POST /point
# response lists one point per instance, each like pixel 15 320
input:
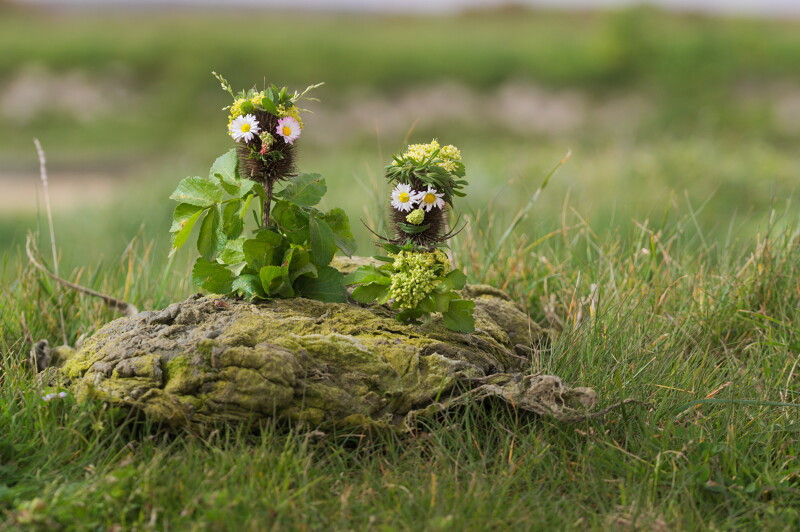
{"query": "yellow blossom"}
pixel 448 158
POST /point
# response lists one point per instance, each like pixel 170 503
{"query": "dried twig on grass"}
pixel 122 306
pixel 43 176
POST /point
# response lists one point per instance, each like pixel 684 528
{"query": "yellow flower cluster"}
pixel 236 110
pixel 292 111
pixel 416 217
pixel 449 155
pixel 416 276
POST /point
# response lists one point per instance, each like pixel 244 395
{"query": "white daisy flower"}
pixel 288 128
pixel 429 199
pixel 244 127
pixel 403 197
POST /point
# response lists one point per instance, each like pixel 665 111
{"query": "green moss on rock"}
pixel 208 360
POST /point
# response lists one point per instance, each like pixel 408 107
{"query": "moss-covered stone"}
pixel 209 360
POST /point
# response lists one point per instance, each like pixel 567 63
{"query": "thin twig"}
pixel 43 175
pixel 122 306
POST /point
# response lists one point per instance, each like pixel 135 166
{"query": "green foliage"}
pixel 418 284
pixel 268 100
pixel 288 258
pixel 428 172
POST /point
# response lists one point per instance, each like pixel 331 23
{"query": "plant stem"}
pixel 267 204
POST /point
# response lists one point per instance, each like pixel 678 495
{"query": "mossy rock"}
pixel 209 360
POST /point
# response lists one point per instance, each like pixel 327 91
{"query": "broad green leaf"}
pixel 305 190
pixel 211 276
pixel 442 301
pixel 245 206
pixel 308 270
pixel 323 246
pixel 340 225
pixel 327 286
pixel 248 107
pixel 226 167
pixel 300 263
pixel 249 286
pixel 233 253
pixel 269 106
pixel 270 278
pixel 367 293
pixel 427 305
pixel 457 278
pixel 459 316
pixel 232 224
pixel 264 250
pixel 409 315
pixel 197 191
pixel 368 274
pixel 211 239
pixel 292 220
pixel 181 214
pixel 183 224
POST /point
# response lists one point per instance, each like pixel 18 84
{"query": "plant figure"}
pixel 417 277
pixel 288 251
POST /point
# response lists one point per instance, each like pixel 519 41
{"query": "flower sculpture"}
pixel 289 251
pixel 417 278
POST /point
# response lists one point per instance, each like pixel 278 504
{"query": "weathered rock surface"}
pixel 208 360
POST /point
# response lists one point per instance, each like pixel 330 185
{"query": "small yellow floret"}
pixel 416 217
pixel 245 128
pixel 448 157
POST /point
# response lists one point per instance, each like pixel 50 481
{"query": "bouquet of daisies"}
pixel 417 278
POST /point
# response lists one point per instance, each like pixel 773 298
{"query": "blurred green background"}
pixel 668 117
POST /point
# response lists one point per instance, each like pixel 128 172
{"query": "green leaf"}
pixel 269 105
pixel 264 250
pixel 183 220
pixel 300 263
pixel 368 274
pixel 181 214
pixel 367 293
pixel 270 278
pixel 249 286
pixel 248 107
pixel 211 239
pixel 197 191
pixel 305 190
pixel 411 229
pixel 292 220
pixel 232 224
pixel 226 167
pixel 211 276
pixel 409 315
pixel 245 206
pixel 457 278
pixel 327 286
pixel 340 225
pixel 459 316
pixel 323 245
pixel 233 253
pixel 442 301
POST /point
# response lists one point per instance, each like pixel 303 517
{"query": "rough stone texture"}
pixel 208 360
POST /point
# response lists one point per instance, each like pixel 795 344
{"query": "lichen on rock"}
pixel 209 360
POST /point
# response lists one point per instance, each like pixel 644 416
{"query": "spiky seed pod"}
pixel 279 167
pixel 428 238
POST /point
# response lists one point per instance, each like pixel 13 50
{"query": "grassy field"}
pixel 665 255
